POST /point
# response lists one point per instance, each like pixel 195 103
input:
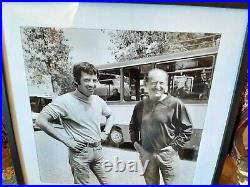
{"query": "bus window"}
pixel 37 103
pixel 190 78
pixel 134 83
pixel 108 87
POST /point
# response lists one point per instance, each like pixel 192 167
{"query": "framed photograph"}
pixel 182 85
pixel 112 93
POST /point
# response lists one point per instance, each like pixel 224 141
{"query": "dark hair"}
pixel 84 67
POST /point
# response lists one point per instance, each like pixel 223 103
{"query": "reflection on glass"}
pixel 191 78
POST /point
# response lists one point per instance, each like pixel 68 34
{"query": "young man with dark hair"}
pixel 80 112
pixel 162 126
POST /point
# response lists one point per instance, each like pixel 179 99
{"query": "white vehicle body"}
pixel 200 62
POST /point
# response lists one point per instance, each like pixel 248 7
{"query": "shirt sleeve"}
pixel 183 122
pixel 55 109
pixel 134 127
pixel 106 111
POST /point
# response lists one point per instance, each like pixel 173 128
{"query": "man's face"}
pixel 88 84
pixel 156 85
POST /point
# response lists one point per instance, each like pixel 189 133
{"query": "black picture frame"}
pixel 10 135
pixel 232 117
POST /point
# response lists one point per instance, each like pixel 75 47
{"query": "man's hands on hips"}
pixel 169 148
pixel 73 144
pixel 104 136
pixel 139 148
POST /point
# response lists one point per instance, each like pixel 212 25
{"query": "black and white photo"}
pixel 132 67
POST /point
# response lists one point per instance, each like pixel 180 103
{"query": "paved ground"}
pixel 54 167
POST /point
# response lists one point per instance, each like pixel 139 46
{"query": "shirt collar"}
pixel 81 96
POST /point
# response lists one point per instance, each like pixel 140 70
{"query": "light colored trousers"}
pixel 89 159
pixel 166 161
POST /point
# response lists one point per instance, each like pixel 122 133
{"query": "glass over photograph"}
pixel 118 106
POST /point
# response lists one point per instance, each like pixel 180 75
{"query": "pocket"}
pixel 79 161
pixel 79 156
pixel 140 156
pixel 144 155
pixel 76 153
pixel 79 164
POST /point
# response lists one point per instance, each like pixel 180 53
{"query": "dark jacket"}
pixel 160 124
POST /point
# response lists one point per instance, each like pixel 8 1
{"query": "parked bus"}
pixel 190 76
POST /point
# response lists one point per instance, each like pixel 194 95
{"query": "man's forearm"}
pixel 48 128
pixel 134 132
pixel 134 136
pixel 109 124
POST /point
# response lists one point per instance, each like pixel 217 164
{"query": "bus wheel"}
pixel 116 137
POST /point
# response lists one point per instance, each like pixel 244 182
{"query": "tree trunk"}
pixel 52 84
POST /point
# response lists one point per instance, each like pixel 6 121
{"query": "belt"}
pixel 94 144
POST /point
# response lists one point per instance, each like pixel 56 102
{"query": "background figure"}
pixel 143 94
pixel 80 112
pixel 159 127
pixel 115 96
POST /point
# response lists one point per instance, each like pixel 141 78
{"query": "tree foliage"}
pixel 129 44
pixel 46 53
